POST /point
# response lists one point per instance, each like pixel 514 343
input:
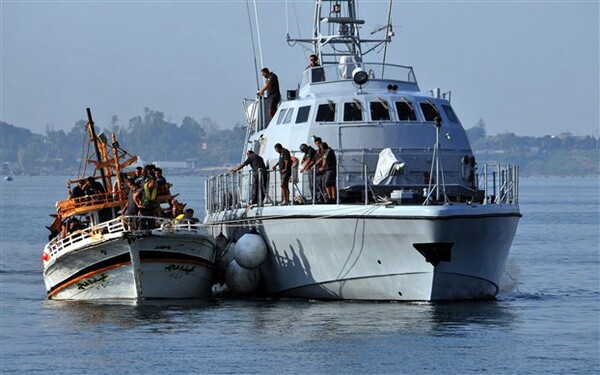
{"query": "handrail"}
pixel 495 184
pixel 343 72
pixel 118 226
pixel 500 184
pixel 108 227
pixel 106 198
pixel 91 200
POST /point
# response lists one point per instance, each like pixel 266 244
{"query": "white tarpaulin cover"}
pixel 387 166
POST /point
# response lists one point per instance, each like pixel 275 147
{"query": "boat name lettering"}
pixel 183 268
pixel 91 281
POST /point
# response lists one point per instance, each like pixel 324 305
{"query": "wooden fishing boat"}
pixel 96 252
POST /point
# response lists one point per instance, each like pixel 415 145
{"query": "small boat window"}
pixel 429 111
pixel 302 114
pixel 326 112
pixel 352 111
pixel 288 116
pixel 406 111
pixel 450 113
pixel 281 115
pixel 318 74
pixel 380 110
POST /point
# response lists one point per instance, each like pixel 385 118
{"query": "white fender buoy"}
pixel 241 280
pixel 250 250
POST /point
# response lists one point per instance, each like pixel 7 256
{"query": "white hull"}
pixel 368 252
pixel 157 264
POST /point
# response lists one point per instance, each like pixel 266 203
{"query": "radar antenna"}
pixel 336 33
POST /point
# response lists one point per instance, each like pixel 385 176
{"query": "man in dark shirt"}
pixel 319 181
pixel 285 169
pixel 317 72
pixel 259 172
pixel 308 162
pixel 271 87
pixel 78 190
pixel 329 168
pixel 72 225
pixel 131 209
pixel 160 179
pixel 93 187
pixel 139 176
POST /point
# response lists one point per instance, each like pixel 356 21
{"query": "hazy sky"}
pixel 528 67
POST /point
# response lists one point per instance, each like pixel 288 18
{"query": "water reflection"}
pixel 127 313
pixel 340 318
pixel 290 317
pixel 461 317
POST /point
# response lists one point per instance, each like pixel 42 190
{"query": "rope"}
pixel 243 222
pixel 81 170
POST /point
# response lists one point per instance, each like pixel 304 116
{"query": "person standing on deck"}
pixel 308 162
pixel 147 201
pixel 259 170
pixel 131 208
pixel 271 87
pixel 329 169
pixel 320 187
pixel 285 168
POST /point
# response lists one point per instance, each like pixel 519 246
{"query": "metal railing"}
pixel 343 72
pixel 494 184
pixel 118 226
pixel 500 183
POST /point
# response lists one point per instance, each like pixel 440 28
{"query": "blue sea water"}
pixel 546 319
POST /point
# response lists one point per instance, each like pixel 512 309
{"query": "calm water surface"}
pixel 546 318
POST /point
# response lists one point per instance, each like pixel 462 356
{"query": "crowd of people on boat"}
pixel 320 165
pixel 143 205
pixel 143 189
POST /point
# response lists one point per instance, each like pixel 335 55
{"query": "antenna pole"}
pixel 438 125
pixel 388 28
pixel 258 35
pixel 253 46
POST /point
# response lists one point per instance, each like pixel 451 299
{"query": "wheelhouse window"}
pixel 406 111
pixel 326 112
pixel 281 116
pixel 450 113
pixel 288 116
pixel 429 111
pixel 302 114
pixel 353 111
pixel 380 110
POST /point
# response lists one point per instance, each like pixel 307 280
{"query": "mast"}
pixel 388 33
pixel 95 140
pixel 336 32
